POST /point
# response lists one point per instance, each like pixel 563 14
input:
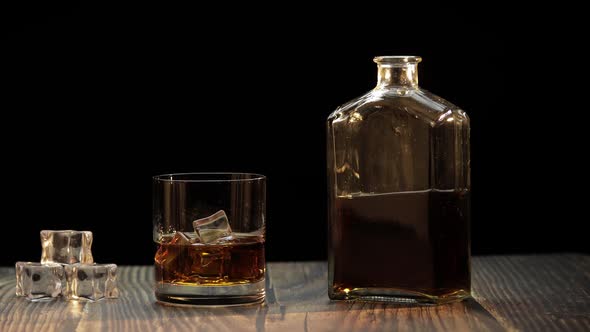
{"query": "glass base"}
pixel 210 295
pixel 398 296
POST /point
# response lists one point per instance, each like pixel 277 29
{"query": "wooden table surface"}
pixel 514 293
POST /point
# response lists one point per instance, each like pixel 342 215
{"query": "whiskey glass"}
pixel 209 229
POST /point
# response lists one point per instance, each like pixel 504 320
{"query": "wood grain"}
pixel 302 296
pixel 535 293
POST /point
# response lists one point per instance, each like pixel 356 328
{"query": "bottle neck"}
pixel 398 75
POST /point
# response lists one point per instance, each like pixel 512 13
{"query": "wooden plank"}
pixel 300 291
pixel 137 310
pixel 536 292
pixel 522 292
pixel 18 314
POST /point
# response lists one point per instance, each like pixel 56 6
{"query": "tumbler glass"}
pixel 210 230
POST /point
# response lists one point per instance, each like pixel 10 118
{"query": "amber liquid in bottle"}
pixel 408 242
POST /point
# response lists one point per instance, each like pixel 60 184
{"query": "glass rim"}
pixel 397 59
pixel 213 177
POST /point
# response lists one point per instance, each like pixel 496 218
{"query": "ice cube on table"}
pixel 91 282
pixel 212 228
pixel 39 282
pixel 66 247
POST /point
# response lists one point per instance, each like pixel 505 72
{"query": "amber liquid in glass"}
pixel 407 244
pixel 230 262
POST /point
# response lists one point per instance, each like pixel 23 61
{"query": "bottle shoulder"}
pixel 418 103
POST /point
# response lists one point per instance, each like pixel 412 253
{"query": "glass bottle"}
pixel 399 182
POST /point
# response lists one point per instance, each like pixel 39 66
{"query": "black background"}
pixel 98 98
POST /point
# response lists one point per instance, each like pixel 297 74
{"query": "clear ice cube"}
pixel 91 282
pixel 181 238
pixel 39 282
pixel 66 247
pixel 212 228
